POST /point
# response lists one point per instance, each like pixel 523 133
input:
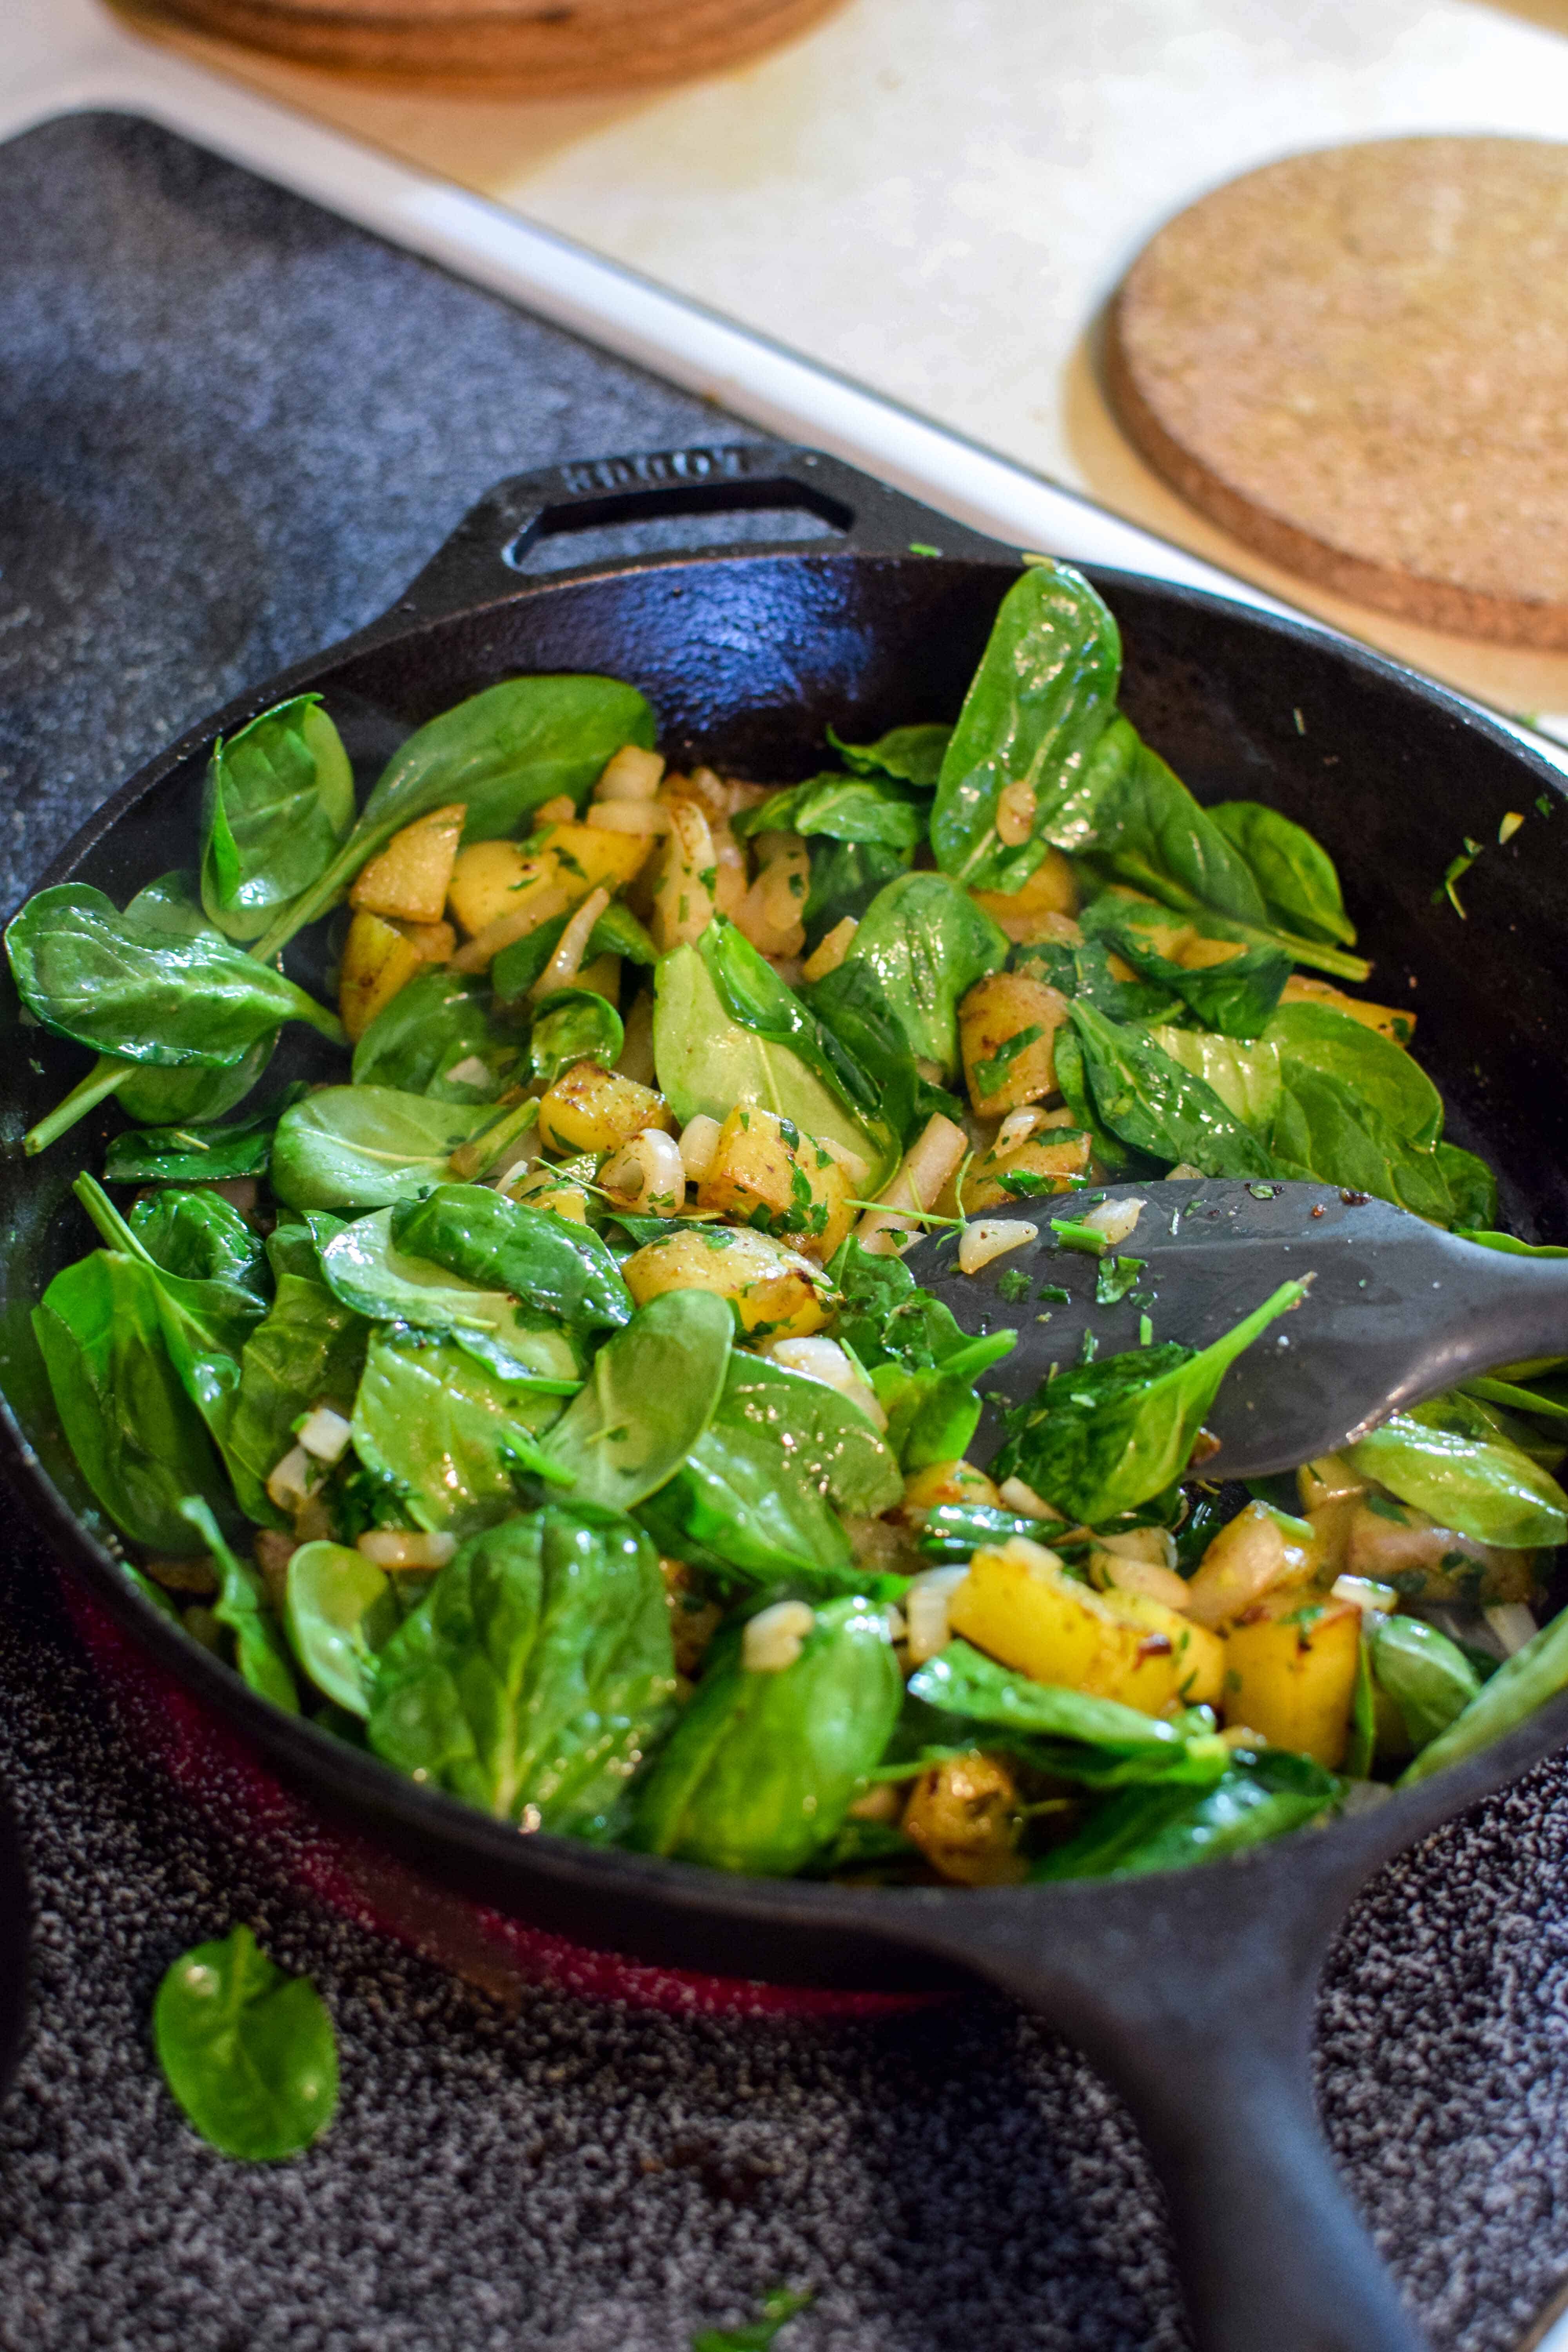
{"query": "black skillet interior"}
pixel 747 654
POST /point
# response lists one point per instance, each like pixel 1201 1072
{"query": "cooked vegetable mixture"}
pixel 542 1403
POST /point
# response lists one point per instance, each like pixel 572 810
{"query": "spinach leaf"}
pixel 1236 998
pixel 1470 1183
pixel 137 1438
pixel 852 1004
pixel 845 876
pixel 339 1610
pixel 1064 1732
pixel 1295 874
pixel 1171 1828
pixel 200 1234
pixel 1520 1684
pixel 1041 699
pixel 574 1024
pixel 364 1269
pixel 781 2306
pixel 1154 1104
pixel 1513 1247
pixel 277 803
pixel 436 1037
pixel 309 1349
pixel 1086 972
pixel 205 1321
pixel 707 1060
pixel 500 753
pixel 197 1155
pixel 131 987
pixel 617 932
pixel 953 1532
pixel 1428 1677
pixel 823 1440
pixel 650 1394
pixel 887 1319
pixel 1323 1127
pixel 762 1768
pixel 536 1673
pixel 367 1147
pixel 448 1438
pixel 928 943
pixel 1486 1489
pixel 260 1655
pixel 844 808
pixel 559 1268
pixel 1247 1078
pixel 1102 1438
pixel 1072 1079
pixel 248 2052
pixel 1379 1074
pixel 932 1416
pixel 913 755
pixel 190 1095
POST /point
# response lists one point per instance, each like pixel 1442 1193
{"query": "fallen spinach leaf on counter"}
pixel 278 801
pixel 248 2052
pixel 782 2304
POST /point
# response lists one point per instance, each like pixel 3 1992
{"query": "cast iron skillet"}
pixel 1193 1993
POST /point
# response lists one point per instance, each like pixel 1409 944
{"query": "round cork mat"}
pixel 494 49
pixel 1357 362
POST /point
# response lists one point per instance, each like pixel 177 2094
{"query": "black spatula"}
pixel 1396 1310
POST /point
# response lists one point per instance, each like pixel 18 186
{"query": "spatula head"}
pixel 1397 1309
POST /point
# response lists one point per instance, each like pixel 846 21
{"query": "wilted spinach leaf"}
pixel 913 755
pixel 339 1610
pixel 261 1653
pixel 574 1025
pixel 1295 874
pixel 650 1394
pixel 928 943
pixel 448 1438
pixel 309 1349
pixel 560 1268
pixel 1159 1107
pixel 437 1037
pixel 367 1147
pixel 1428 1677
pixel 617 932
pixel 1484 1486
pixel 365 1270
pixel 843 808
pixel 1064 1732
pixel 197 1155
pixel 277 803
pixel 200 1234
pixel 1168 1827
pixel 537 1672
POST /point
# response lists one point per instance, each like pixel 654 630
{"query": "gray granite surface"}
pixel 232 428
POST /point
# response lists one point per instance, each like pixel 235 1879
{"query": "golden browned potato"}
pixel 1007 1025
pixel 492 879
pixel 545 1188
pixel 436 942
pixel 593 1110
pixel 377 961
pixel 1050 890
pixel 948 1482
pixel 1290 1672
pixel 1198 953
pixel 1256 1552
pixel 693 1618
pixel 1020 1605
pixel 409 878
pixel 1037 1164
pixel 1394 1021
pixel 586 856
pixel 963 1816
pixel 776 1293
pixel 765 1166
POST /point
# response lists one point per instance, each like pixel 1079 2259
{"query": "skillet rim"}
pixel 1343 1850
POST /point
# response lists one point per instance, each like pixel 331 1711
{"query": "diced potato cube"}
pixel 776 1293
pixel 1008 1026
pixel 377 961
pixel 685 877
pixel 1258 1551
pixel 542 1188
pixel 410 877
pixel 436 942
pixel 1396 1544
pixel 1050 890
pixel 767 1173
pixel 603 976
pixel 588 854
pixel 1199 954
pixel 964 1815
pixel 1290 1672
pixel 630 775
pixel 948 1482
pixel 1025 1609
pixel 1394 1021
pixel 1038 1163
pixel 493 878
pixel 593 1110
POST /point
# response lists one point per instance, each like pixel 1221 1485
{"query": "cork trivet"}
pixel 1357 362
pixel 530 48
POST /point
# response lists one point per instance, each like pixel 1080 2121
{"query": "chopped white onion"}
pixel 825 1360
pixel 1114 1219
pixel 404 1548
pixel 1024 1500
pixel 699 1144
pixel 647 1173
pixel 1512 1623
pixel 565 963
pixel 989 1238
pixel 291 1479
pixel 773 1637
pixel 325 1433
pixel 630 775
pixel 1017 1126
pixel 1366 1593
pixel 925 1610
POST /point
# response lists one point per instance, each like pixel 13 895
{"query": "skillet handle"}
pixel 482 561
pixel 1193 1996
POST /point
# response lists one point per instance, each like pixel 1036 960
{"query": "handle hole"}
pixel 674 517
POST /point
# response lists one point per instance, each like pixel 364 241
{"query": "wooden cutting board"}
pixel 498 48
pixel 1357 362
